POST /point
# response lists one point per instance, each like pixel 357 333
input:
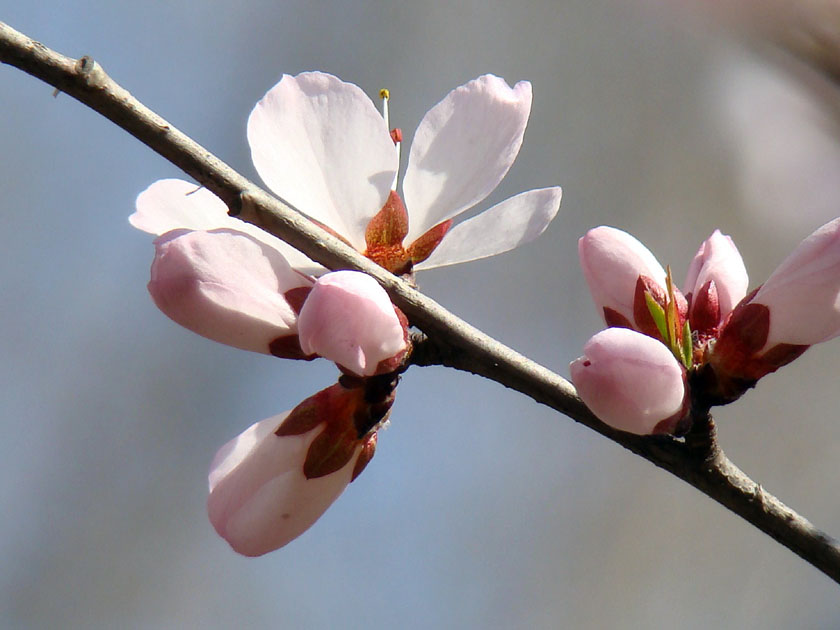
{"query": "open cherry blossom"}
pixel 321 145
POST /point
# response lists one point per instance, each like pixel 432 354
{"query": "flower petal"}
pixel 348 318
pixel 226 286
pixel 259 497
pixel 320 144
pixel 630 381
pixel 803 293
pixel 463 148
pixel 175 204
pixel 503 227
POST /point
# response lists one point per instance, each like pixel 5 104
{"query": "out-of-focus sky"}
pixel 481 509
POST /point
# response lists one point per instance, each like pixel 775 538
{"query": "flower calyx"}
pixel 351 411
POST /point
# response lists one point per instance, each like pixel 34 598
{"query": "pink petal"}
pixel 226 286
pixel 259 497
pixel 718 259
pixel 463 148
pixel 174 204
pixel 612 261
pixel 348 318
pixel 803 294
pixel 629 380
pixel 503 227
pixel 320 144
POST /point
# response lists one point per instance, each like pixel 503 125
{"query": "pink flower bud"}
pixel 798 306
pixel 803 294
pixel 348 318
pixel 631 382
pixel 716 281
pixel 225 285
pixel 272 482
pixel 614 263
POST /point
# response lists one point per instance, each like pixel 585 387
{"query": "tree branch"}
pixel 448 340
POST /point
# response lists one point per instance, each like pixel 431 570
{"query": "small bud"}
pixel 716 281
pixel 348 318
pixel 226 286
pixel 632 382
pixel 619 270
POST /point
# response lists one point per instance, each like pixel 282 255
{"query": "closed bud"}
pixel 716 281
pixel 798 306
pixel 615 265
pixel 227 286
pixel 803 294
pixel 273 481
pixel 348 318
pixel 632 382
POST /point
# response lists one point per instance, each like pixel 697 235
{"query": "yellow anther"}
pixel 384 93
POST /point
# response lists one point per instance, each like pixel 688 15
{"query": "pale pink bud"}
pixel 272 482
pixel 225 285
pixel 716 281
pixel 631 381
pixel 803 294
pixel 349 319
pixel 614 263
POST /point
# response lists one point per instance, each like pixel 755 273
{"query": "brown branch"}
pixel 447 341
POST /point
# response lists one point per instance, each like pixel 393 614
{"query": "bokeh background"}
pixel 481 509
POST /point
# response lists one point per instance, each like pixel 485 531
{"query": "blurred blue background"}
pixel 481 508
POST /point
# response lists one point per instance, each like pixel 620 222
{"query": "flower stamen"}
pixel 396 133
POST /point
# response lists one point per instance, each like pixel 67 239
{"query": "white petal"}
pixel 320 144
pixel 463 148
pixel 225 286
pixel 503 227
pixel 175 204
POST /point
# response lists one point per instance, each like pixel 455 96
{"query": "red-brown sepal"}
pixel 705 310
pixel 288 347
pixel 331 450
pixel 350 411
pixel 384 236
pixel 744 334
pixel 426 243
pixel 614 319
pixel 368 449
pixel 296 297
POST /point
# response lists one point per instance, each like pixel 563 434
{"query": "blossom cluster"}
pixel 321 145
pixel 667 350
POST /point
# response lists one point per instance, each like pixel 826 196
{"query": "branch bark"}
pixel 446 340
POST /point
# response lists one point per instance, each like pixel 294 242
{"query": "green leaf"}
pixel 658 315
pixel 687 346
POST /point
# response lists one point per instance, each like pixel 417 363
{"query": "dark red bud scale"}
pixel 705 310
